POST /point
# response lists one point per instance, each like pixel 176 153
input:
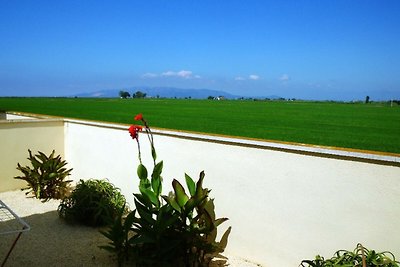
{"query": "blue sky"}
pixel 336 49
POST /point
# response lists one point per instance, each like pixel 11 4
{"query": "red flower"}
pixel 133 131
pixel 139 117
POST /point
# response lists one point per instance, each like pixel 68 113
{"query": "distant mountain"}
pixel 101 93
pixel 169 92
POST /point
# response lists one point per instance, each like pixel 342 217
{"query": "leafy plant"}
pixel 119 234
pixel 92 202
pixel 360 257
pixel 178 229
pixel 47 177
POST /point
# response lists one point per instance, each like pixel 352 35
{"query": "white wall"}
pixel 100 152
pixel 14 116
pixel 16 137
pixel 284 207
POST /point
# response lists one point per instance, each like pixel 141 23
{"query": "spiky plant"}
pixel 46 177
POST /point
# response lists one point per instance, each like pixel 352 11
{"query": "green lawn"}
pixel 362 126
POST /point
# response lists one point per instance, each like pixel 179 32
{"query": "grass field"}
pixel 361 126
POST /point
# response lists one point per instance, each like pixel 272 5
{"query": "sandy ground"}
pixel 52 242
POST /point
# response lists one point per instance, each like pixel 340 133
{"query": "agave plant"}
pixel 46 177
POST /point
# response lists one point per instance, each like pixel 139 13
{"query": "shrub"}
pixel 93 203
pixel 178 229
pixel 360 257
pixel 47 177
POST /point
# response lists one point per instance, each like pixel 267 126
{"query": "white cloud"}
pixel 284 78
pixel 149 75
pixel 168 73
pixel 186 74
pixel 254 77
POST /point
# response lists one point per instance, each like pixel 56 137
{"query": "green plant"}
pixel 119 234
pixel 360 257
pixel 47 177
pixel 92 202
pixel 178 229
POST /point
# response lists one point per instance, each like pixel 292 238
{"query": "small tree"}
pixel 124 94
pixel 139 94
pixel 367 100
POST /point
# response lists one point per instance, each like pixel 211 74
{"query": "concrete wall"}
pixel 284 207
pixel 102 152
pixel 16 137
pixel 16 116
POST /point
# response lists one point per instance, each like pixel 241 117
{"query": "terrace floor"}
pixel 52 242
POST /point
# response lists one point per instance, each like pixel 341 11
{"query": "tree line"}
pixel 137 94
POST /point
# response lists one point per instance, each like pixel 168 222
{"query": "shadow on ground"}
pixel 52 242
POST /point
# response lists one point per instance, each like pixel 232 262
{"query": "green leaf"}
pixel 153 153
pixel 180 195
pixel 190 204
pixel 210 207
pixel 144 200
pixel 35 163
pixel 166 218
pixel 199 186
pixel 208 221
pixel 157 169
pixel 193 202
pixel 172 202
pixel 144 213
pixel 212 236
pixel 144 184
pixel 156 178
pixel 43 157
pixel 142 172
pixel 190 184
pixel 152 196
pixel 141 239
pixel 219 221
pixel 157 186
pixel 129 221
pixel 224 239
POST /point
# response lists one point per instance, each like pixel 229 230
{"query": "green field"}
pixel 362 126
